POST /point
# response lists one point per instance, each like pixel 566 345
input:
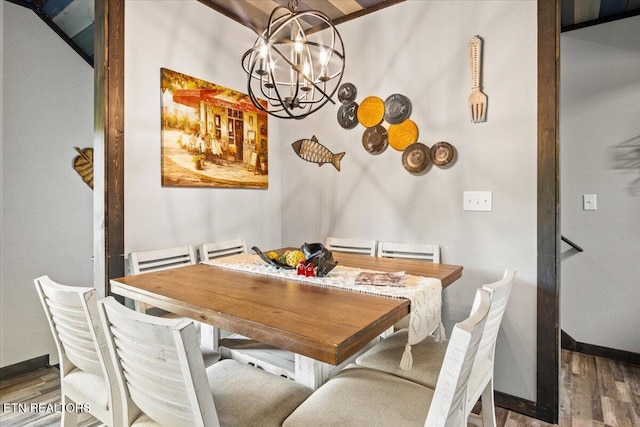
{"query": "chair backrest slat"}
pixel 499 293
pixel 448 406
pixel 161 259
pixel 358 246
pixel 213 250
pixel 409 250
pixel 159 365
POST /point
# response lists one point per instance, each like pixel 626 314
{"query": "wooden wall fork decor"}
pixel 477 99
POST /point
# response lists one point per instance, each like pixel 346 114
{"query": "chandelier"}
pixel 295 72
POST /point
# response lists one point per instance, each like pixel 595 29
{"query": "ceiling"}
pixel 73 19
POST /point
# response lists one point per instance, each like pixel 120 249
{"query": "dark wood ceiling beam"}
pixel 22 3
pixel 368 10
pixel 604 20
pixel 249 19
pixel 257 19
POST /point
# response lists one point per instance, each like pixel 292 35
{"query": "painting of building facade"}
pixel 212 136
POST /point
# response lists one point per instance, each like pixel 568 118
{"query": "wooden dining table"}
pixel 325 326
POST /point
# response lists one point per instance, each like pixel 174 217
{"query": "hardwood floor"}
pixel 41 387
pixel 594 392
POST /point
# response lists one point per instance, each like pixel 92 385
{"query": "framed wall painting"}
pixel 203 134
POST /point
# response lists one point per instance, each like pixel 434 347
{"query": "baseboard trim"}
pixel 516 404
pixel 568 343
pixel 24 366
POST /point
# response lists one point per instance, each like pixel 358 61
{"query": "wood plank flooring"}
pixel 594 392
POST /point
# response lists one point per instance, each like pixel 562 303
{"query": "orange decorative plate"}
pixel 371 111
pixel 402 135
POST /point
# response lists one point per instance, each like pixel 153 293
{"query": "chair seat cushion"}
pixel 144 421
pixel 85 387
pixel 209 356
pixel 427 358
pixel 247 396
pixel 364 397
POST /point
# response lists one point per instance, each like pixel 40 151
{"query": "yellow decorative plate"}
pixel 403 135
pixel 371 111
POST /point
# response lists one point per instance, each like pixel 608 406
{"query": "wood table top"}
pixel 323 323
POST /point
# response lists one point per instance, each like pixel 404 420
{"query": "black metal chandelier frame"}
pixel 314 69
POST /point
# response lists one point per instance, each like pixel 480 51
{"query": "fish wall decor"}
pixel 312 151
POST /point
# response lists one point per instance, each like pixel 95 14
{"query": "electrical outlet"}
pixel 589 202
pixel 477 201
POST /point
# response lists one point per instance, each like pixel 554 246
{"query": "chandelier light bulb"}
pixel 263 51
pixel 324 57
pixel 306 69
pixel 297 46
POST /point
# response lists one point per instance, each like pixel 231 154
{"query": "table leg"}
pixel 310 372
pixel 209 336
pixel 141 307
pixel 313 373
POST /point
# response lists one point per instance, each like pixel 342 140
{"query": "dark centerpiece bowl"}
pixel 315 253
pixel 320 257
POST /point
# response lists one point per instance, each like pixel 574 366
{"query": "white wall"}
pixel 420 49
pixel 600 111
pixel 47 109
pixel 190 38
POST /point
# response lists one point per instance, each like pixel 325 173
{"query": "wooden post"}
pixel 548 298
pixel 108 143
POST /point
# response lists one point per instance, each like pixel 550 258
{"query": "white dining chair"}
pixel 417 251
pixel 141 262
pixel 161 259
pixel 356 246
pixel 359 396
pixel 428 356
pixel 219 249
pixel 239 347
pixel 86 370
pixel 163 379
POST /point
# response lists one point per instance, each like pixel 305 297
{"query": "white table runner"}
pixel 425 294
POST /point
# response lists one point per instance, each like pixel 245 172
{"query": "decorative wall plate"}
pixel 375 139
pixel 371 111
pixel 403 134
pixel 347 92
pixel 348 115
pixel 442 153
pixel 416 157
pixel 397 108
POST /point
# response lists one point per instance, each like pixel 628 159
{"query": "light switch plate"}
pixel 477 201
pixel 589 202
